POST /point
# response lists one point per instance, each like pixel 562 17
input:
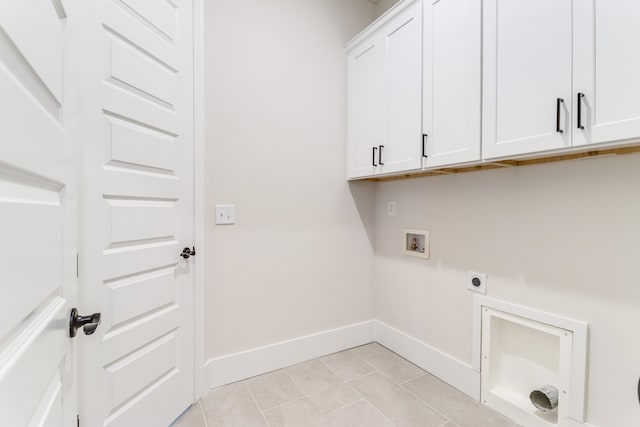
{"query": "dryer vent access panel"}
pixel 532 367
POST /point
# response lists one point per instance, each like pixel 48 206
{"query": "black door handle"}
pixel 559 102
pixel 580 96
pixel 373 161
pixel 380 155
pixel 424 143
pixel 89 324
pixel 186 252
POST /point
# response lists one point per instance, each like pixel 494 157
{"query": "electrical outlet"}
pixel 477 282
pixel 391 208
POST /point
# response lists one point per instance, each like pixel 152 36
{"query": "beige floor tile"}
pixel 318 382
pixel 231 406
pixel 347 366
pixel 299 413
pixel 387 362
pixel 396 403
pixel 191 418
pixel 273 389
pixel 462 409
pixel 359 414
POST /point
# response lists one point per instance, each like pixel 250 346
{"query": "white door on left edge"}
pixel 37 216
pixel 136 110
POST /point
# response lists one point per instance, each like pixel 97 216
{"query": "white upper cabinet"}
pixel 385 95
pixel 452 82
pixel 364 107
pixel 606 71
pixel 437 83
pixel 527 76
pixel 402 45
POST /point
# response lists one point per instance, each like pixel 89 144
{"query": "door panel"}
pixel 137 211
pixel 38 227
pixel 607 65
pixel 402 45
pixel 527 66
pixel 454 136
pixel 365 107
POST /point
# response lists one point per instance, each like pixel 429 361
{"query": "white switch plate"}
pixel 481 280
pixel 225 214
pixel 391 208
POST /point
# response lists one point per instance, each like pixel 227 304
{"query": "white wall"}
pixel 383 5
pixel 561 237
pixel 300 259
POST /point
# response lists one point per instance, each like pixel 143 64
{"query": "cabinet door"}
pixel 607 66
pixel 402 47
pixel 364 107
pixel 527 68
pixel 451 113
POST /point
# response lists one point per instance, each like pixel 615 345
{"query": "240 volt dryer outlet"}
pixel 477 282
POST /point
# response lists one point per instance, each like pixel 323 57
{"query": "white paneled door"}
pixel 37 211
pixel 137 211
pixel 102 91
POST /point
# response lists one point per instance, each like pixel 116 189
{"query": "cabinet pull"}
pixel 424 145
pixel 380 155
pixel 373 161
pixel 559 102
pixel 580 96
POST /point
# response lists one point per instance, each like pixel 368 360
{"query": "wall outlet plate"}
pixel 477 282
pixel 225 214
pixel 391 208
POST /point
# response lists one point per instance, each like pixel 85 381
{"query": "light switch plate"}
pixel 225 214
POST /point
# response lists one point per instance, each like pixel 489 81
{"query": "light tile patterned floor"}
pixel 367 386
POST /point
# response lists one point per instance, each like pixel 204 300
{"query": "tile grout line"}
pixel 345 406
pixel 411 379
pixel 202 413
pixel 296 384
pixel 397 355
pixel 256 403
pixel 415 395
pixel 375 369
pixel 401 385
pixel 379 411
pixel 329 368
pixel 286 403
pixel 371 403
pixel 346 383
pixel 357 356
pixel 364 376
pixel 426 403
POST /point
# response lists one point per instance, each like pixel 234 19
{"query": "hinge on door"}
pixel 78 419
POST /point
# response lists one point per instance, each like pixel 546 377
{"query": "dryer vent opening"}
pixel 545 399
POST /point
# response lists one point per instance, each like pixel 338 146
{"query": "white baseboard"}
pixel 452 371
pixel 235 367
pixel 239 366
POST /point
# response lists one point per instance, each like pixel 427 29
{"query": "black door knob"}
pixel 87 323
pixel 186 252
